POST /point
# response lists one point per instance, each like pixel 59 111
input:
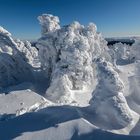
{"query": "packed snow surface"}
pixel 69 85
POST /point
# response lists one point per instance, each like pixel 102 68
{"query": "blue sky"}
pixel 112 17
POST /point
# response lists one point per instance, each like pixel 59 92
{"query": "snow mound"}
pixel 17 103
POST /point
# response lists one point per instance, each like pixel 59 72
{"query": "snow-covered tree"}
pixel 128 53
pixel 15 60
pixel 119 52
pixel 29 52
pixel 67 56
pixel 108 101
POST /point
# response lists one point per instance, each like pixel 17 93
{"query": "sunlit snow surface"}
pixel 69 85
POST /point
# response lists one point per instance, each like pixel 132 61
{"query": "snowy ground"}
pixel 61 122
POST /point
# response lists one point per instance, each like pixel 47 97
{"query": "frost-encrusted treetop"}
pixel 49 23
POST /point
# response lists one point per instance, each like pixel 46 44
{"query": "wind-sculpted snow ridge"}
pixel 67 56
pixel 16 60
pixel 108 101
